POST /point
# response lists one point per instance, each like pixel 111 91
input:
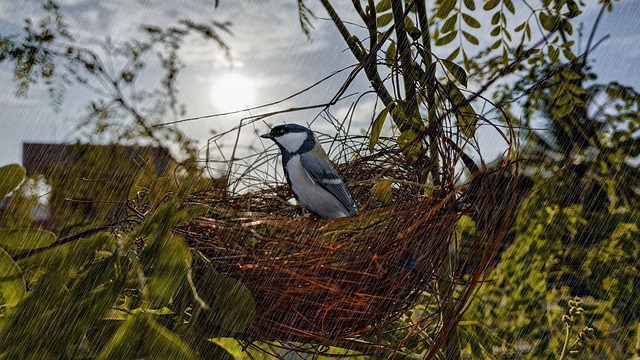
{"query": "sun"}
pixel 233 92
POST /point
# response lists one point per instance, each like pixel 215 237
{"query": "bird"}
pixel 310 174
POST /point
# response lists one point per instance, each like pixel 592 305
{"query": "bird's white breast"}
pixel 310 195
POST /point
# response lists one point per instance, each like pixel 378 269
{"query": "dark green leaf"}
pixel 383 20
pixel 495 19
pixel 466 115
pixel 567 27
pixel 548 21
pixel 10 178
pixel 390 55
pixel 491 4
pixel 449 24
pixel 231 305
pixel 457 71
pixel 72 254
pixel 470 4
pixel 167 269
pixel 12 286
pixel 408 24
pixel 142 337
pixel 569 55
pixel 471 21
pixel 382 6
pixel 470 38
pixel 446 38
pixel 159 190
pixel 570 74
pixel 495 31
pixel 509 5
pixel 454 54
pixel 554 54
pixel 376 128
pixel 445 8
pixel 409 145
pixel 20 240
pixel 383 192
pixel 429 75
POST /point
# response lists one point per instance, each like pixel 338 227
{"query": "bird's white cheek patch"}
pixel 292 141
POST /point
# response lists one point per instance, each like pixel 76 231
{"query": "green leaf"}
pixel 10 178
pixel 382 6
pixel 72 254
pixel 570 74
pixel 445 8
pixel 376 128
pixel 575 89
pixel 495 31
pixel 562 111
pixel 449 24
pixel 567 27
pixel 470 38
pixel 409 145
pixel 159 190
pixel 563 99
pixel 554 54
pixel 496 44
pixel 20 240
pixel 548 21
pixel 142 337
pixel 65 303
pixel 231 305
pixel 446 38
pixel 390 55
pixel 457 71
pixel 188 213
pixel 569 55
pixel 509 5
pixel 167 270
pixel 495 19
pixel 491 4
pixel 12 286
pixel 471 21
pixel 383 20
pixel 383 192
pixel 454 54
pixel 465 114
pixel 470 4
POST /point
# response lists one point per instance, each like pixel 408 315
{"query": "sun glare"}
pixel 233 92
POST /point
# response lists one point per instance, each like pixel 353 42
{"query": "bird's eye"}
pixel 279 131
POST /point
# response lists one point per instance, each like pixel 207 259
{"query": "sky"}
pixel 271 59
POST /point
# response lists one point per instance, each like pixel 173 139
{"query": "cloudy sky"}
pixel 270 59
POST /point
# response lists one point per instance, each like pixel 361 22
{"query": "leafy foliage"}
pixel 581 213
pixel 126 294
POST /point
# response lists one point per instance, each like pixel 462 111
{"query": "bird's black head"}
pixel 292 138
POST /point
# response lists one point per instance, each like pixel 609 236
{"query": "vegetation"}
pixel 566 283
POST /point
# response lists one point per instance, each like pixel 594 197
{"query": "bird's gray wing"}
pixel 324 174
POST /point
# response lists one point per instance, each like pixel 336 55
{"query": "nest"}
pixel 327 282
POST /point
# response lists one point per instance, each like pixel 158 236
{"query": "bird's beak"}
pixel 266 136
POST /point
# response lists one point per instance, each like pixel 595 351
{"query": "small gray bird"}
pixel 313 179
